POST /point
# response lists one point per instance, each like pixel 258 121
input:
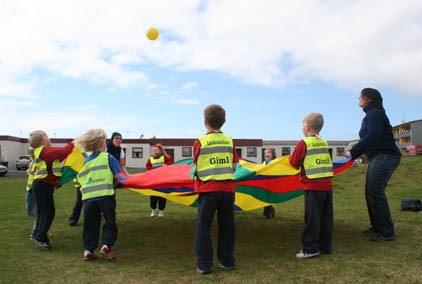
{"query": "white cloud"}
pixel 276 43
pixel 14 89
pixel 185 101
pixel 269 43
pixel 190 85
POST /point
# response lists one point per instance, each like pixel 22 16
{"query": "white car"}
pixel 3 170
pixel 23 162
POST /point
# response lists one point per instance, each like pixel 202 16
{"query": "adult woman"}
pixel 378 144
pixel 114 147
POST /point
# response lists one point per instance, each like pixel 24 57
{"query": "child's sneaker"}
pixel 89 255
pixel 44 245
pixel 304 255
pixel 160 213
pixel 106 251
pixel 153 212
pixel 201 271
pixel 231 267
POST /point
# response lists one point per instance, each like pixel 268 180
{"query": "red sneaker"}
pixel 89 255
pixel 106 251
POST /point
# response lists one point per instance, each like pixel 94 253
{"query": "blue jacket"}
pixel 376 135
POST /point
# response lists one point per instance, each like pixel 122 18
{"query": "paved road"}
pixel 14 173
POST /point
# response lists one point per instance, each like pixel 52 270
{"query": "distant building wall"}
pixel 138 151
pixel 416 129
pixel 11 147
pixel 407 134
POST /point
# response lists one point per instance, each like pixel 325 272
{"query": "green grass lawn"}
pixel 160 250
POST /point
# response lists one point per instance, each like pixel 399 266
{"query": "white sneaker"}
pixel 161 213
pixel 304 255
pixel 153 212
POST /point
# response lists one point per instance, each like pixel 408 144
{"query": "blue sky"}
pixel 67 66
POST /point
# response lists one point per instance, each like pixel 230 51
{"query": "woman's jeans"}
pixel 380 169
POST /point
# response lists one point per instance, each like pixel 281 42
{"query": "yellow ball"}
pixel 152 33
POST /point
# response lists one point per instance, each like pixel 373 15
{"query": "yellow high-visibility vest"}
pixel 317 162
pixel 156 163
pixel 215 160
pixel 30 178
pixel 39 166
pixel 96 178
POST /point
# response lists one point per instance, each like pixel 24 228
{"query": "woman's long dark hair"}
pixel 374 97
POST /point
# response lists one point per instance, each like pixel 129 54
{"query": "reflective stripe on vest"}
pixel 317 162
pixel 76 183
pixel 40 165
pixel 156 163
pixel 30 178
pixel 215 160
pixel 96 178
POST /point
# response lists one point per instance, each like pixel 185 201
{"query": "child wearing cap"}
pixel 158 158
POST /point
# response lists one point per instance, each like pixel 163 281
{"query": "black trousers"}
pixel 93 211
pixel 208 204
pixel 43 193
pixel 317 234
pixel 77 208
pixel 161 201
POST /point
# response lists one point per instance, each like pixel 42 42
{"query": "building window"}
pixel 340 152
pixel 251 152
pixel 285 151
pixel 186 151
pixel 137 152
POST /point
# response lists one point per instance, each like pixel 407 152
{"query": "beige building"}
pixel 408 134
pixel 138 151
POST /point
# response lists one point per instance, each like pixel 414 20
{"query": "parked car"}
pixel 23 162
pixel 3 170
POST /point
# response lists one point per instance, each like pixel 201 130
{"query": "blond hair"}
pixel 92 140
pixel 36 138
pixel 314 120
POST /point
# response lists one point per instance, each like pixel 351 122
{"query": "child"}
pixel 215 158
pixel 46 174
pixel 98 178
pixel 158 159
pixel 312 157
pixel 269 153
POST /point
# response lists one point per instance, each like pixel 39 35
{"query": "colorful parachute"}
pixel 71 166
pixel 257 185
